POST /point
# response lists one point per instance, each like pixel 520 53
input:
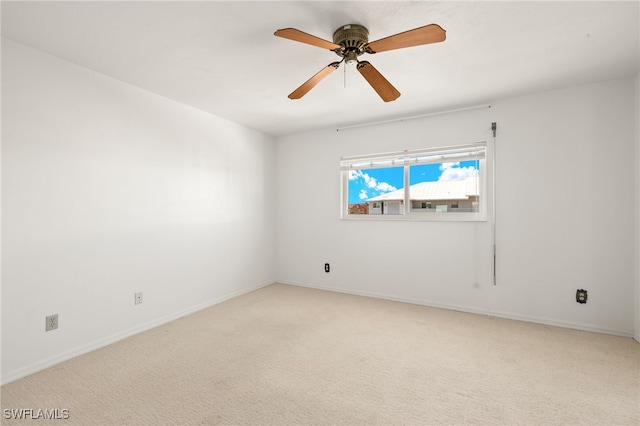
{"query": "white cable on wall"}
pixel 494 127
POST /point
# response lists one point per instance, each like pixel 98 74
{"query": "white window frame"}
pixel 408 158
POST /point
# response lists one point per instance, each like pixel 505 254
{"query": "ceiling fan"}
pixel 351 41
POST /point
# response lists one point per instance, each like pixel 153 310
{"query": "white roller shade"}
pixel 475 151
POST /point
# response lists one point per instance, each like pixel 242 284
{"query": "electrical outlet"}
pixel 137 298
pixel 327 268
pixel 51 322
pixel 581 296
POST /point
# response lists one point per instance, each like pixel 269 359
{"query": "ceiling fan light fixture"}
pixel 351 56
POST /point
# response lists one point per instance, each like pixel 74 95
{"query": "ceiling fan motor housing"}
pixel 352 38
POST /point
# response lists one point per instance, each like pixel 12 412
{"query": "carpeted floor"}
pixel 285 355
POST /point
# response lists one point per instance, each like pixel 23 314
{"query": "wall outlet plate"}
pixel 581 296
pixel 51 322
pixel 137 298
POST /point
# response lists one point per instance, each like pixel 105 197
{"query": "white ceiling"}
pixel 222 57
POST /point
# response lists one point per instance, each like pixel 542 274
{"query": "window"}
pixel 431 184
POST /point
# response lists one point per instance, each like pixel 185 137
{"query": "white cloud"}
pixel 450 172
pixel 355 174
pixel 445 166
pixel 385 187
pixel 370 182
pixel 363 194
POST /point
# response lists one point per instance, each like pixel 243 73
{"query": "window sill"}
pixel 420 217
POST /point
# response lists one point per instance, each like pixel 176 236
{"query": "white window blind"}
pixel 415 157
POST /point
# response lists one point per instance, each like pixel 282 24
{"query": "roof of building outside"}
pixel 433 191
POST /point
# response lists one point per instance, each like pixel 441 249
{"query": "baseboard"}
pixel 97 344
pixel 472 310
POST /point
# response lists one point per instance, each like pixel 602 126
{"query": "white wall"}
pixel 110 190
pixel 557 154
pixel 568 148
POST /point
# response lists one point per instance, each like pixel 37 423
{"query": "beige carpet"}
pixel 285 355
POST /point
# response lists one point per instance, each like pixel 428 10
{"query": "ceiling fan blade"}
pixel 432 33
pixel 380 84
pixel 311 83
pixel 297 35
